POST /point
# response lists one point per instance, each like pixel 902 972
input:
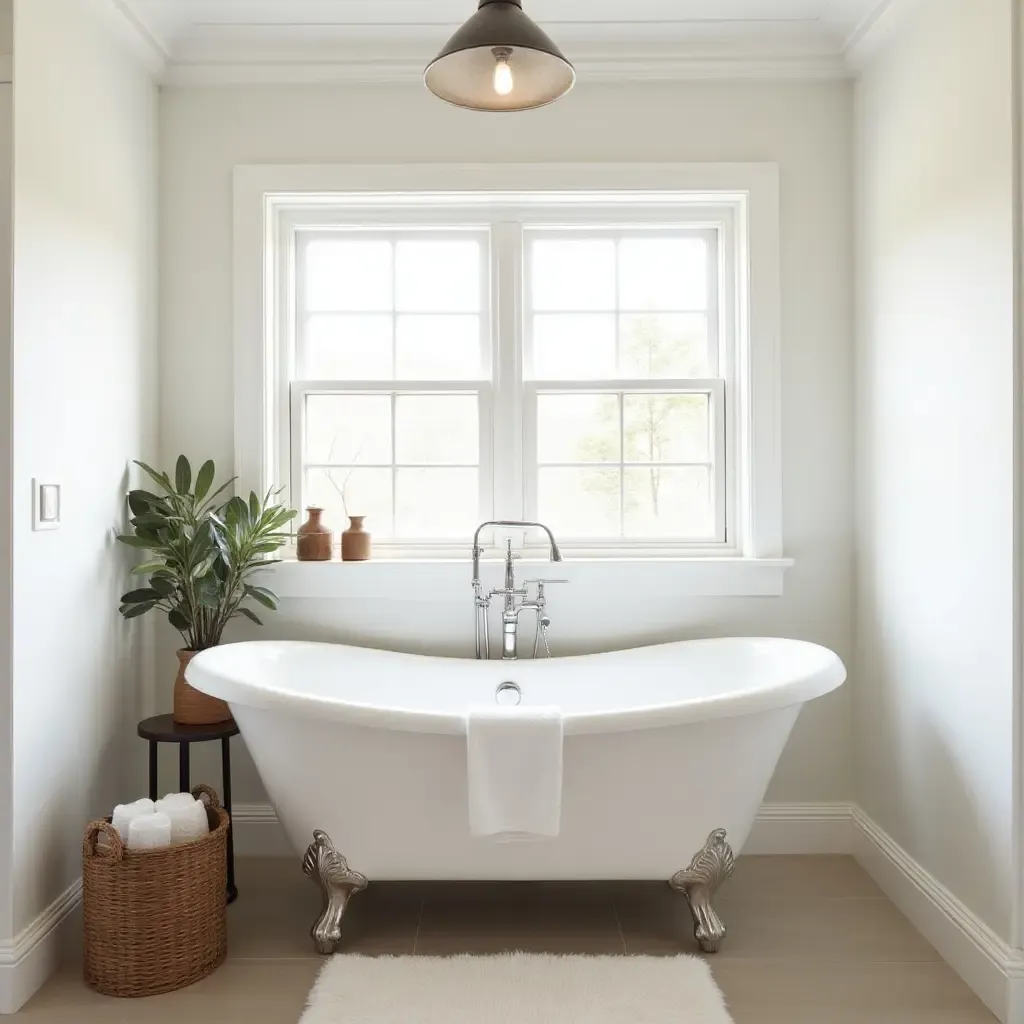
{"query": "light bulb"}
pixel 503 80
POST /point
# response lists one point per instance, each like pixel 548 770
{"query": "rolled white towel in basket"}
pixel 188 820
pixel 125 813
pixel 175 800
pixel 149 832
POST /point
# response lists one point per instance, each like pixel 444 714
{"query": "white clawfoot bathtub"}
pixel 664 745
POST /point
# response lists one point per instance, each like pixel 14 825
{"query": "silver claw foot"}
pixel 338 882
pixel 707 871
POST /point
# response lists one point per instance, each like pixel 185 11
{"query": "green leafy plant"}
pixel 203 553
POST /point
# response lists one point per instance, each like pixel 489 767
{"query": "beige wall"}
pixel 84 345
pixel 934 701
pixel 805 128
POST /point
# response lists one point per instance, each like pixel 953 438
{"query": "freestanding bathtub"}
pixel 668 753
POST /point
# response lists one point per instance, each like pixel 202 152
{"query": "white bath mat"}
pixel 515 988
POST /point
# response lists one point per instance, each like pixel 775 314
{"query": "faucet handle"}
pixel 545 581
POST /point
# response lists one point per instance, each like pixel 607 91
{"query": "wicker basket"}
pixel 155 920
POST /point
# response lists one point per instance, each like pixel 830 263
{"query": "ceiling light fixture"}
pixel 500 60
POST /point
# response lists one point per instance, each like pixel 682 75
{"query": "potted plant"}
pixel 204 555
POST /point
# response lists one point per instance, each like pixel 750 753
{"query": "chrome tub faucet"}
pixel 515 599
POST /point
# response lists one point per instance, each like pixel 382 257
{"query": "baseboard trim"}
pixel 825 828
pixel 33 955
pixel 779 829
pixel 258 833
pixel 988 964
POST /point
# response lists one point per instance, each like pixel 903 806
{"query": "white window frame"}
pixel 268 200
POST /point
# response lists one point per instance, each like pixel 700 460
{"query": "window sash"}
pixel 302 239
pixel 619 232
pixel 714 388
pixel 480 389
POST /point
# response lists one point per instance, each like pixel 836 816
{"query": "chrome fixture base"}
pixel 707 871
pixel 338 883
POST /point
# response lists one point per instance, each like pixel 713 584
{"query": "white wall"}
pixel 934 671
pixel 806 128
pixel 84 405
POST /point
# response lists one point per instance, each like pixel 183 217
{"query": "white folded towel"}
pixel 149 832
pixel 514 766
pixel 125 813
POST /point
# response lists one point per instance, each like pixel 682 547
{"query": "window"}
pixel 584 358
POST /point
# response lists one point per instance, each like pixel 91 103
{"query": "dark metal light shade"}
pixel 464 71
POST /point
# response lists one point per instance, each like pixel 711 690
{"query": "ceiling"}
pixel 276 40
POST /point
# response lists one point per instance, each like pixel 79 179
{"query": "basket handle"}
pixel 92 833
pixel 212 800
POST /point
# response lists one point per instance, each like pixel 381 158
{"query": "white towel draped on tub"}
pixel 514 766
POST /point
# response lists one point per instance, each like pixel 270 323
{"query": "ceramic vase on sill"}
pixel 314 541
pixel 191 706
pixel 355 541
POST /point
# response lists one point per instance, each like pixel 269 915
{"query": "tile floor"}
pixel 812 940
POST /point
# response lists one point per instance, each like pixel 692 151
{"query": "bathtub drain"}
pixel 508 695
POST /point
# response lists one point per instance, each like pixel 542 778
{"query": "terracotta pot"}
pixel 355 541
pixel 191 707
pixel 314 541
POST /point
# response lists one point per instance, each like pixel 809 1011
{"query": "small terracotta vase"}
pixel 315 542
pixel 355 541
pixel 191 706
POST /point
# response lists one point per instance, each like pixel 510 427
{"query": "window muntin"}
pixel 622 320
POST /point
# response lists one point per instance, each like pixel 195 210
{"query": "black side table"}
pixel 163 729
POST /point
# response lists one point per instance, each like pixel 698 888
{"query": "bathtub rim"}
pixel 796 689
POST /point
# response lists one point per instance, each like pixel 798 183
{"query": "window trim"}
pixel 266 195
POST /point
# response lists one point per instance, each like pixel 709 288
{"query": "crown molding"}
pixel 133 36
pixel 636 65
pixel 249 53
pixel 877 31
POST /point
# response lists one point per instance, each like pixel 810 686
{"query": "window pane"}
pixel 653 345
pixel 662 502
pixel 347 347
pixel 567 347
pixel 437 502
pixel 432 429
pixel 442 276
pixel 438 347
pixel 577 428
pixel 346 429
pixel 663 273
pixel 667 428
pixel 349 274
pixel 362 492
pixel 573 275
pixel 579 502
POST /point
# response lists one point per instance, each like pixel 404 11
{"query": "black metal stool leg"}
pixel 225 764
pixel 184 774
pixel 153 770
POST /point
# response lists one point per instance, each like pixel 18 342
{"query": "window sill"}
pixel 449 579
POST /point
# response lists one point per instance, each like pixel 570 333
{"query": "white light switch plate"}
pixel 46 505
